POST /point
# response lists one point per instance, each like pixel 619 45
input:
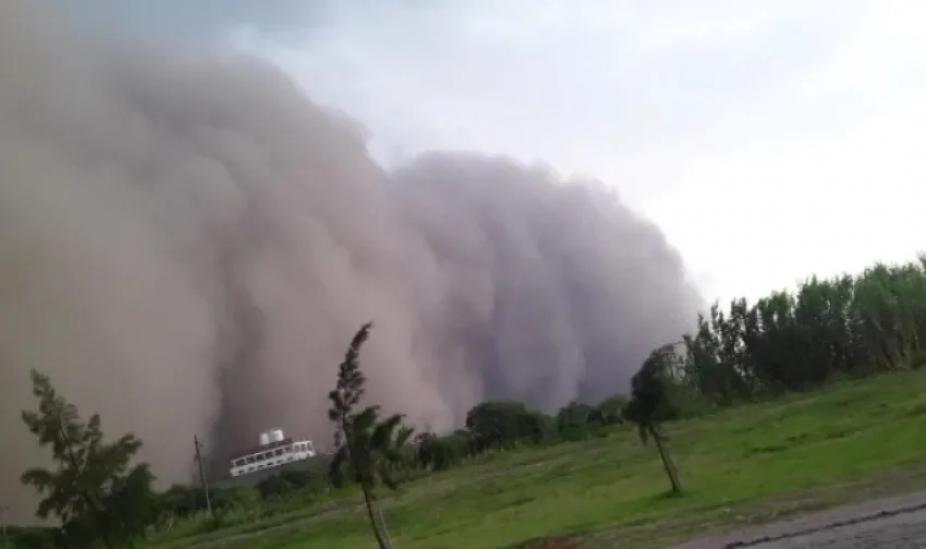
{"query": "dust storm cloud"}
pixel 187 245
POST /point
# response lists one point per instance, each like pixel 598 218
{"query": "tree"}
pixel 536 427
pixel 650 405
pixel 574 420
pixel 368 450
pixel 610 410
pixel 442 452
pixel 501 424
pixel 875 321
pixel 717 362
pixel 90 490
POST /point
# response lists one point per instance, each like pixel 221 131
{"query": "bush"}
pixel 575 421
pixel 537 427
pixel 687 401
pixel 275 486
pixel 609 409
pixel 181 500
pixel 33 537
pixel 310 478
pixel 502 424
pixel 441 452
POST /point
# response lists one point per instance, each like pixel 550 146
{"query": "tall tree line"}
pixel 874 321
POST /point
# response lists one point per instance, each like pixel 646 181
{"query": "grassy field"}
pixel 850 441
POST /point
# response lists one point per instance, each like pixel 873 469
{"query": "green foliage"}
pixel 181 500
pixel 536 427
pixel 846 325
pixel 502 424
pixel 495 424
pixel 293 480
pixel 275 486
pixel 850 440
pixel 651 404
pixel 443 452
pixel 33 537
pixel 369 450
pixel 717 362
pixel 94 493
pixel 576 421
pixel 349 388
pixel 610 410
pixel 229 499
pixel 650 401
pixel 490 425
pixel 372 451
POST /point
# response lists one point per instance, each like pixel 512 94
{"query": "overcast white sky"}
pixel 769 140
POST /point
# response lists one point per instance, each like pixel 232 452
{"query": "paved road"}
pixel 902 530
pixel 892 522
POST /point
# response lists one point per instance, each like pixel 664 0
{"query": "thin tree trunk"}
pixel 383 525
pixel 381 539
pixel 374 522
pixel 666 461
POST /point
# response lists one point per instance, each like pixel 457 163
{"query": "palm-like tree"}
pixel 650 405
pixel 369 451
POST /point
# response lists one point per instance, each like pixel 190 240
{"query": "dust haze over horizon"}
pixel 189 242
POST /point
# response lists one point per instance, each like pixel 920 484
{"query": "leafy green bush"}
pixel 291 480
pixel 504 423
pixel 442 452
pixel 609 409
pixel 576 421
pixel 33 537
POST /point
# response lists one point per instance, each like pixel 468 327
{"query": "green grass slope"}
pixel 849 441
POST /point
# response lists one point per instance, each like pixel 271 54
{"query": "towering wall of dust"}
pixel 187 246
pixel 548 291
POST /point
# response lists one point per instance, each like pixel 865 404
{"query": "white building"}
pixel 274 450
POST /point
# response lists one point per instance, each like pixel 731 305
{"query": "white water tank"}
pixel 276 435
pixel 265 438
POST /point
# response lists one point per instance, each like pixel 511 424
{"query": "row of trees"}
pixel 499 425
pixel 872 322
pixel 875 321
